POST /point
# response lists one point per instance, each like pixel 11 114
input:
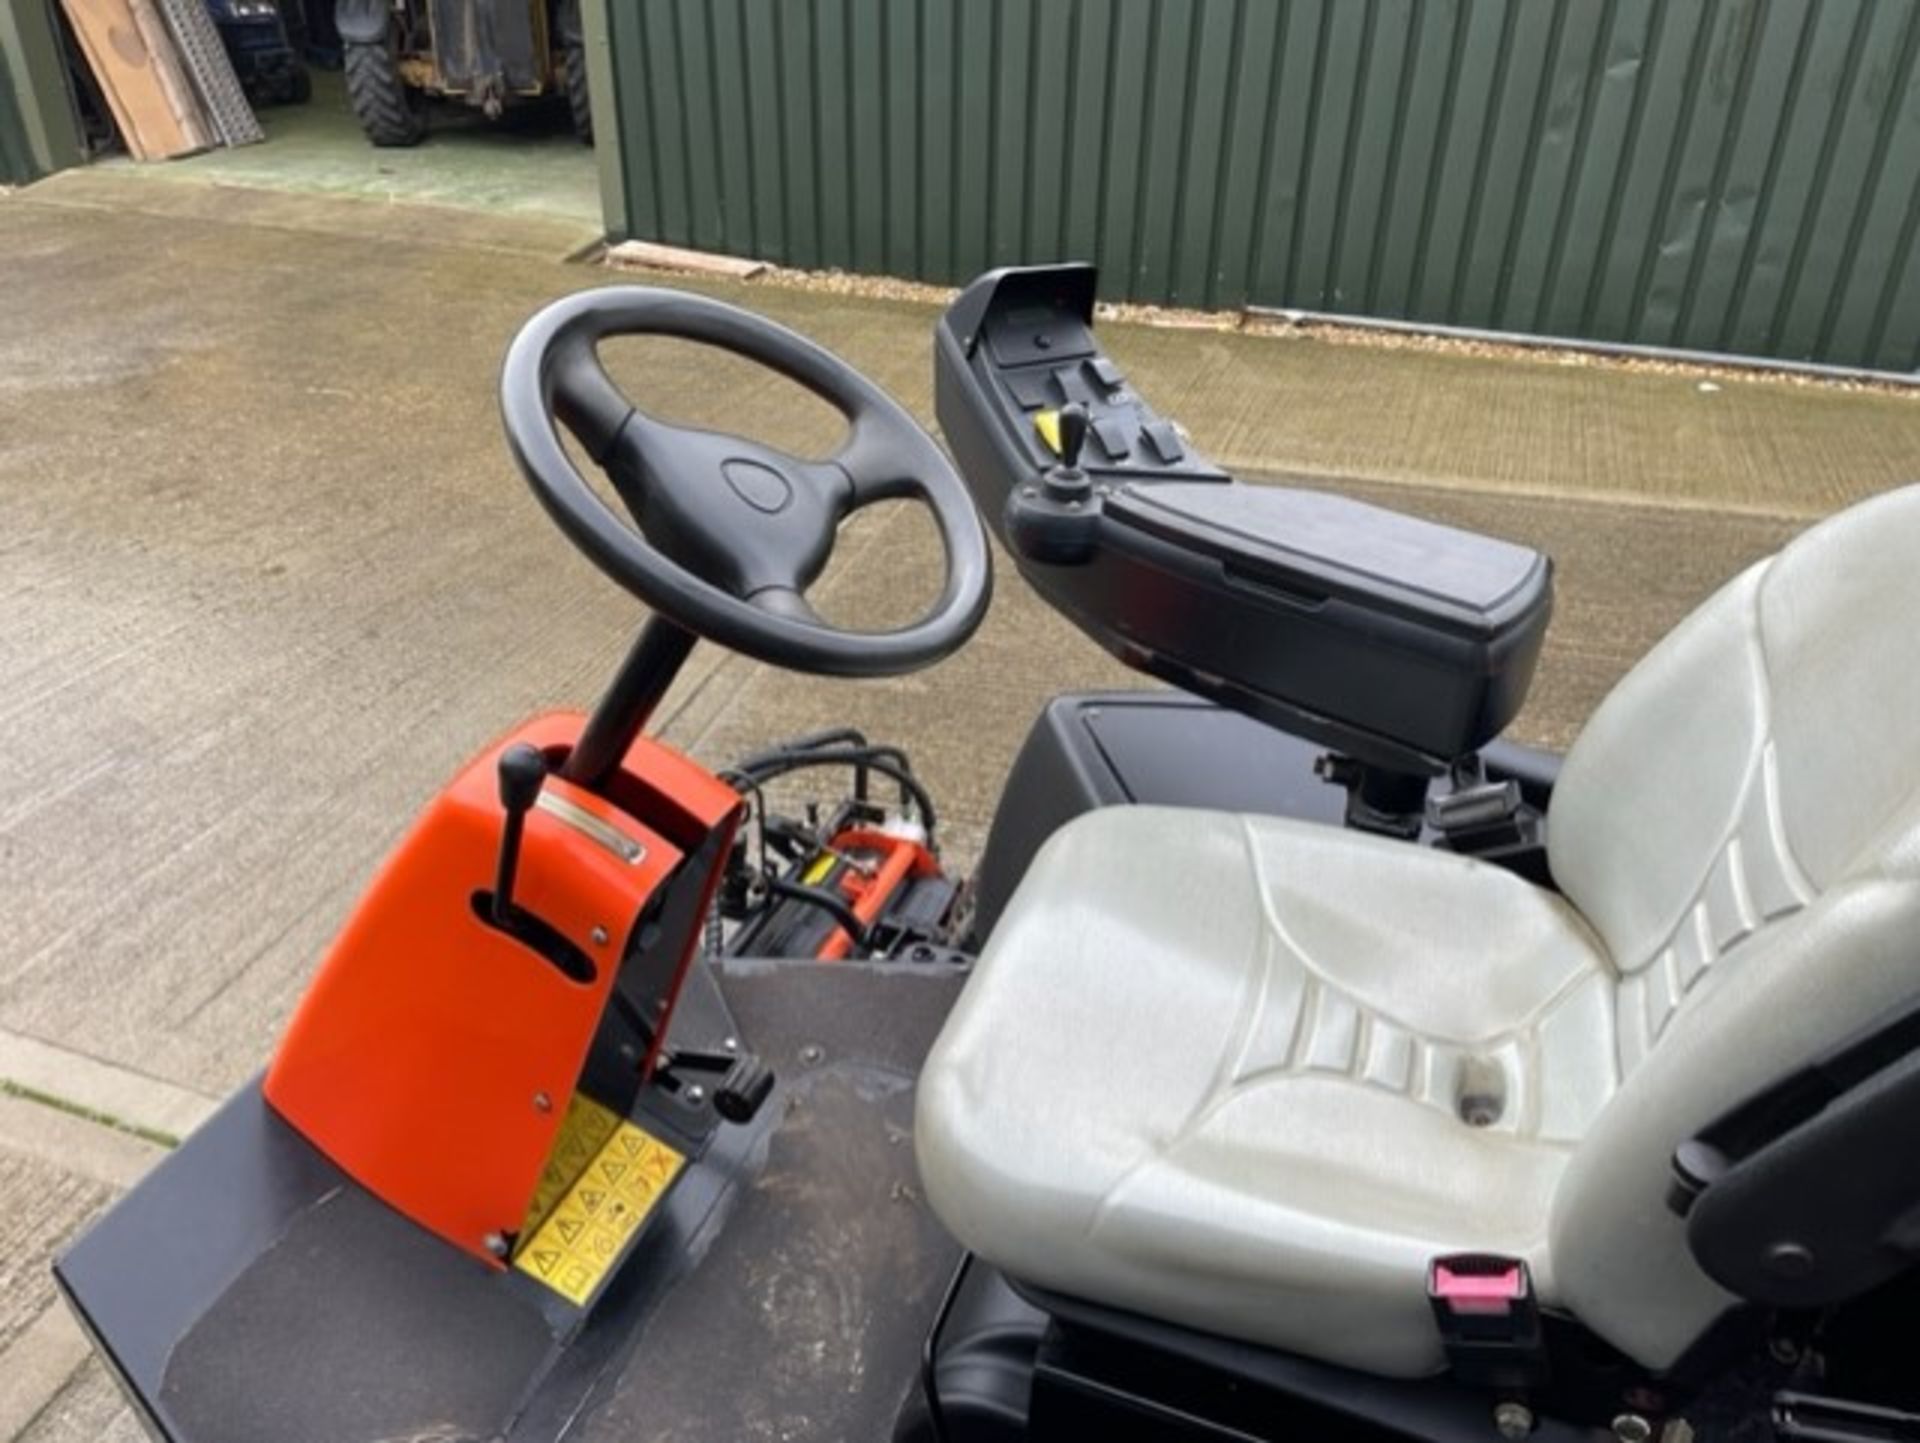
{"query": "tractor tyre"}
pixel 389 111
pixel 574 63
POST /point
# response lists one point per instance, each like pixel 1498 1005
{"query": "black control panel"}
pixel 1038 338
pixel 1399 642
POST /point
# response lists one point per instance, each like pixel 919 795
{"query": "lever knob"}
pixel 1074 423
pixel 523 771
pixel 748 1084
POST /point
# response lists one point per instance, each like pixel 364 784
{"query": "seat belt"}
pixel 1489 1320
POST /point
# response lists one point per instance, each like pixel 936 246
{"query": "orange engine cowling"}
pixel 435 1054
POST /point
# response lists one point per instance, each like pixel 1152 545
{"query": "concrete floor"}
pixel 528 163
pixel 57 1171
pixel 267 574
pixel 87 1409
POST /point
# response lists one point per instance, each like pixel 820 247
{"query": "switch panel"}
pixel 1039 358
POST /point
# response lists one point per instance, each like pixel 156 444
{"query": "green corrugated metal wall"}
pixel 1737 175
pixel 17 164
pixel 39 132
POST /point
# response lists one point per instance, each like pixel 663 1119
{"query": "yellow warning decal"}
pixel 1047 423
pixel 583 1132
pixel 601 1181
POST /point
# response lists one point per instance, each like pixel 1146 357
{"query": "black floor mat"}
pixel 804 1321
pixel 349 1329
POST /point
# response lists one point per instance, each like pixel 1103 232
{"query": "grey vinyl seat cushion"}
pixel 1251 1075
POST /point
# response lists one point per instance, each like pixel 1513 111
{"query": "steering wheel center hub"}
pixel 760 486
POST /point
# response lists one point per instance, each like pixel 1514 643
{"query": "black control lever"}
pixel 523 771
pixel 747 1085
pixel 1067 482
pixel 1074 423
pixel 745 1081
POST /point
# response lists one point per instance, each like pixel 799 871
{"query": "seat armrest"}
pixel 1808 1193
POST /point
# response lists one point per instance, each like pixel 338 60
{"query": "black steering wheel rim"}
pixel 553 375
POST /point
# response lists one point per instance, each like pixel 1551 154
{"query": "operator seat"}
pixel 1252 1075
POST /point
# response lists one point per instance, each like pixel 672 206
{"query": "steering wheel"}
pixel 732 532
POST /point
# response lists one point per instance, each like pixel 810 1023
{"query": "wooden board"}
pixel 131 54
pixel 650 255
pixel 169 70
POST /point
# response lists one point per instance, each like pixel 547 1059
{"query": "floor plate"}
pixel 779 1288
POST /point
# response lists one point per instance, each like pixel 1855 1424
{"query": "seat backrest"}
pixel 1740 822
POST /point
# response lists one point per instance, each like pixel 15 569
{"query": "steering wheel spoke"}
pixel 730 532
pixel 586 399
pixel 872 464
pixel 789 605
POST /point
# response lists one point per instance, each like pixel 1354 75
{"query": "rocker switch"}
pixel 1032 389
pixel 1113 439
pixel 1164 441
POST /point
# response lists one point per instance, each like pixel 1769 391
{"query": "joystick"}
pixel 1067 482
pixel 1074 422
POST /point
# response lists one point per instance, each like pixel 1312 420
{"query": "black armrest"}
pixel 1808 1192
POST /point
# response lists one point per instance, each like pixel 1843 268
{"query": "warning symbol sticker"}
pixel 602 1180
pixel 545 1260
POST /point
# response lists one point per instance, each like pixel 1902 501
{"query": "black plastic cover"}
pixel 977 1372
pixel 1397 641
